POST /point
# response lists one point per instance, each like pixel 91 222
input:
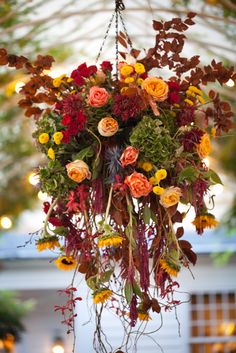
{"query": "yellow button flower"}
pixel 195 90
pixel 201 100
pixel 58 81
pixel 153 180
pixel 139 68
pixel 123 90
pixel 126 70
pixel 147 166
pixel 188 101
pixel 139 81
pixel 43 138
pixel 51 153
pixel 57 137
pixel 160 175
pixel 129 80
pixel 158 190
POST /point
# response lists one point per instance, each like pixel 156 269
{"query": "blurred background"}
pixel 72 31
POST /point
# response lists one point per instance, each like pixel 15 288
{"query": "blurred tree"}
pixel 12 312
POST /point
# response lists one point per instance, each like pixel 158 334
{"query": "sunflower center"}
pixel 67 262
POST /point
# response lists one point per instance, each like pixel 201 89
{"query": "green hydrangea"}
pixel 153 142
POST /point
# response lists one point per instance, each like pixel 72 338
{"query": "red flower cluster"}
pixel 126 106
pixel 83 72
pixel 191 139
pixel 173 95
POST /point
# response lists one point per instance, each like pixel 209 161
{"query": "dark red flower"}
pixel 173 86
pixel 85 71
pixel 106 66
pixel 185 116
pixel 78 79
pixel 81 120
pixel 72 104
pixel 173 96
pixel 66 120
pixel 66 136
pixel 191 138
pixel 125 106
pixel 55 221
pixel 46 206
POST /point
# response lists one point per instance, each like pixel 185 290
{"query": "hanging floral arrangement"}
pixel 124 149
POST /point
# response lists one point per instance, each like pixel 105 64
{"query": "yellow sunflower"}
pixel 65 263
pixel 170 267
pixel 205 221
pixel 109 240
pixel 101 295
pixel 143 315
pixel 50 243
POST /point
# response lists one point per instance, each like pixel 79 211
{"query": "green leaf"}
pixel 189 174
pixel 105 277
pixel 146 214
pixel 137 289
pixel 84 153
pixel 213 176
pixel 60 231
pixel 128 292
pixel 92 282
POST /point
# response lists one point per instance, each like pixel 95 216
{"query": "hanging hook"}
pixel 120 5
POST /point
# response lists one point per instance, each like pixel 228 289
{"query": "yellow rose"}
pixel 170 196
pixel 126 70
pixel 140 81
pixel 78 171
pixel 160 175
pixel 139 68
pixel 204 147
pixel 43 138
pixel 158 190
pixel 156 88
pixel 51 154
pixel 108 126
pixel 57 137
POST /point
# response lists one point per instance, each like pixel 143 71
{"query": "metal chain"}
pixel 105 37
pixel 119 6
pixel 126 32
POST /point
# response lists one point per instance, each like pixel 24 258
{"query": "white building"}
pixel 207 318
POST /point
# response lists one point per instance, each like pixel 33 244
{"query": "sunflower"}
pixel 65 263
pixel 109 240
pixel 171 267
pixel 101 295
pixel 205 221
pixel 143 315
pixel 49 242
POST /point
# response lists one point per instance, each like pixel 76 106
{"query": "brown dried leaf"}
pixel 122 41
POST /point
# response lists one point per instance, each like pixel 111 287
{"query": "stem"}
pixel 99 142
pixel 108 205
pixel 44 231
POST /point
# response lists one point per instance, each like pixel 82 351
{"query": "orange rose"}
pixel 107 126
pixel 98 97
pixel 129 156
pixel 170 196
pixel 156 88
pixel 78 171
pixel 138 184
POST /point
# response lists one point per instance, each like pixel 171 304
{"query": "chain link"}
pixel 119 6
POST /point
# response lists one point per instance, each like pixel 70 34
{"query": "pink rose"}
pixel 129 156
pixel 98 97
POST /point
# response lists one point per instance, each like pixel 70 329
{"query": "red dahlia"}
pixel 125 106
